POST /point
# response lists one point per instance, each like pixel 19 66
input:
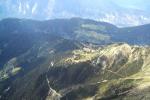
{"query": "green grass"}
pixel 4 75
pixel 91 35
pixel 94 27
pixel 16 70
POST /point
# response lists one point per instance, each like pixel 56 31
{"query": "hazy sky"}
pixel 18 7
pixel 94 9
pixel 140 4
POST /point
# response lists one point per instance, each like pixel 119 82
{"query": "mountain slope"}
pixel 84 30
pixel 122 72
pixel 73 59
pixel 117 71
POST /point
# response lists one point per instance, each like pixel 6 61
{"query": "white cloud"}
pixel 24 11
pixel 27 6
pixel 20 7
pixel 34 8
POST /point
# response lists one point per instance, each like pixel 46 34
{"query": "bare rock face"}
pixel 53 95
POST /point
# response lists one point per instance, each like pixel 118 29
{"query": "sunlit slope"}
pixel 122 72
pixel 109 72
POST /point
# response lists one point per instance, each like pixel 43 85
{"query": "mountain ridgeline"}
pixel 73 59
pixel 77 29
